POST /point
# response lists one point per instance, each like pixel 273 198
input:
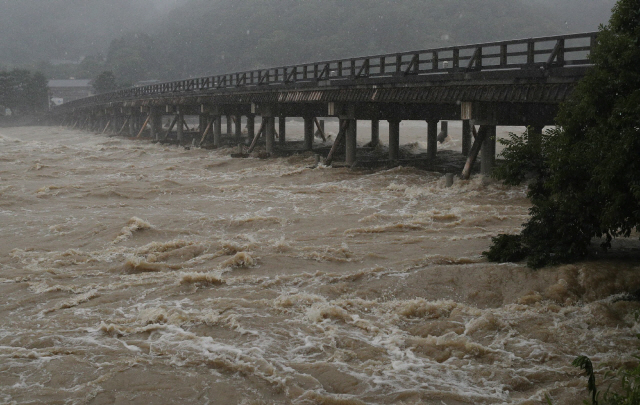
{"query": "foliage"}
pixel 23 92
pixel 584 363
pixel 506 248
pixel 587 180
pixel 628 392
pixel 105 82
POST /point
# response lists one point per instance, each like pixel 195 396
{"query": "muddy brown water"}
pixel 137 273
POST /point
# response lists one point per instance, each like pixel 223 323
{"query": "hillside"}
pixel 206 36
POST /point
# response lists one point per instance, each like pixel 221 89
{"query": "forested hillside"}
pixel 208 36
pixel 40 30
pixel 168 39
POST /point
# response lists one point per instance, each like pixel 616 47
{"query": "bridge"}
pixel 516 82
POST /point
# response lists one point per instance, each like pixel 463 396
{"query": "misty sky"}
pixel 32 31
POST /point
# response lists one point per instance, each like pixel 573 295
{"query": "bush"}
pixel 586 173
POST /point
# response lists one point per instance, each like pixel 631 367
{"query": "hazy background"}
pixel 169 39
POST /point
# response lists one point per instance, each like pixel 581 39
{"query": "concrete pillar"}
pixel 270 133
pixel 488 151
pixel 251 127
pixel 466 137
pixel 229 125
pixel 375 133
pixel 351 142
pixel 217 131
pixel 238 130
pixel 432 139
pixel 180 127
pixel 282 130
pixel 394 139
pixel 308 133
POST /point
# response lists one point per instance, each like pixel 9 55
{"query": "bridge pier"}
pixel 488 150
pixel 375 133
pixel 270 133
pixel 132 125
pixel 217 131
pixel 251 127
pixel 180 126
pixel 308 133
pixel 238 129
pixel 466 137
pixel 394 139
pixel 282 130
pixel 229 125
pixel 156 124
pixel 351 141
pixel 432 139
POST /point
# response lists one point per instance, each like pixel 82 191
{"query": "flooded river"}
pixel 139 273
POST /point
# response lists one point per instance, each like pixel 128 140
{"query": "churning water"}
pixel 137 273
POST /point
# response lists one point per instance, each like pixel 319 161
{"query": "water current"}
pixel 139 273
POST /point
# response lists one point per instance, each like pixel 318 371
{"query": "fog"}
pixel 66 30
pixel 62 31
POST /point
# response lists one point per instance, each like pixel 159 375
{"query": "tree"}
pixel 105 82
pixel 588 175
pixel 23 92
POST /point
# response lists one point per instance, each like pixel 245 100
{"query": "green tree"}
pixel 23 92
pixel 105 82
pixel 588 175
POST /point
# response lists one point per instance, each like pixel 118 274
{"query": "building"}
pixel 63 91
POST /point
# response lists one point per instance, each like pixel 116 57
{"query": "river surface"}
pixel 139 273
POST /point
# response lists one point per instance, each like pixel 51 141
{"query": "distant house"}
pixel 63 91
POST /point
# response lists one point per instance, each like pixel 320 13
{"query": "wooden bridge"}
pixel 517 82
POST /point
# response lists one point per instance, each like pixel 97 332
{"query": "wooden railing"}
pixel 532 53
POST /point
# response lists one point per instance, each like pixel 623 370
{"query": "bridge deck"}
pixel 516 82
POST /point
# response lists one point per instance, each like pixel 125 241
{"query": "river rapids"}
pixel 140 273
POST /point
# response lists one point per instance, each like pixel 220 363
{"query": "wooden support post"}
pixel 320 126
pixel 473 154
pixel 217 131
pixel 258 135
pixel 337 141
pixel 466 137
pixel 180 127
pixel 126 121
pixel 270 133
pixel 432 139
pixel 106 127
pixel 206 129
pixel 173 124
pixel 238 131
pixel 229 125
pixel 282 124
pixel 308 133
pixel 394 139
pixel 488 151
pixel 375 133
pixel 351 142
pixel 144 126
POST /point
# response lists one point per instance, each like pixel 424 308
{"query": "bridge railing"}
pixel 532 53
